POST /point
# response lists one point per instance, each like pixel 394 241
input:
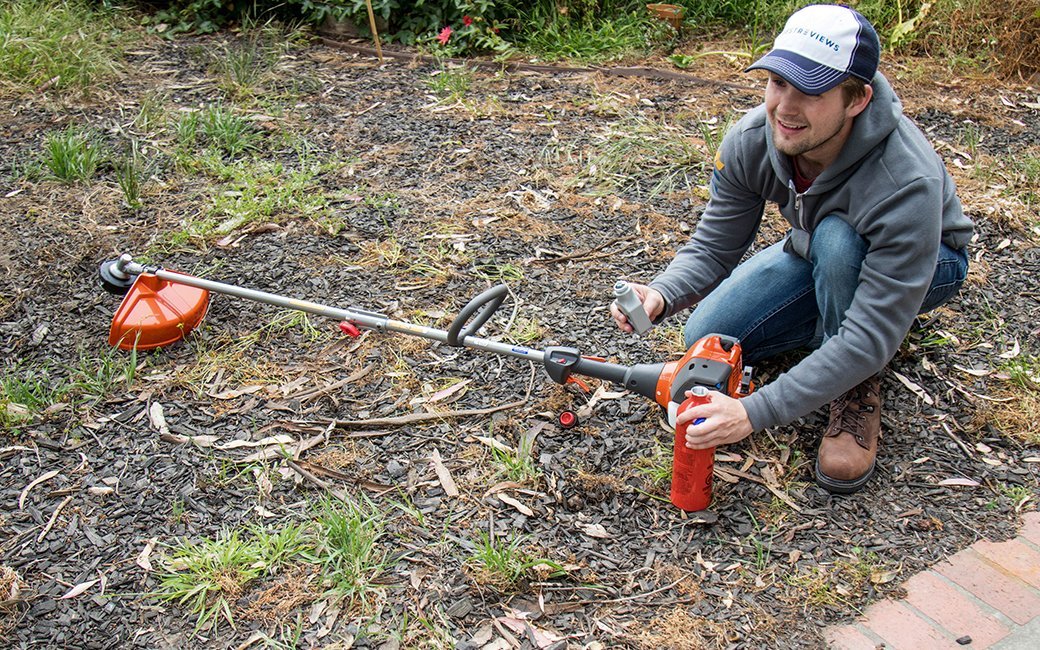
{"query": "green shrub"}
pixel 207 16
pixel 472 25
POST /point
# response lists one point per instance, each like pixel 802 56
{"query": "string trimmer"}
pixel 161 307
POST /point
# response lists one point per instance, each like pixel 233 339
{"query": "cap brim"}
pixel 804 74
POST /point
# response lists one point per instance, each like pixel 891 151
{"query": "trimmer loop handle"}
pixel 483 306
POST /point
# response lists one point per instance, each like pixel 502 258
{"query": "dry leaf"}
pixel 445 393
pixel 1012 353
pixel 592 530
pixel 199 441
pixel 142 558
pixel 769 476
pixel 504 485
pixel 974 372
pixel 541 638
pixel 491 442
pixel 158 419
pixel 524 509
pixel 232 394
pixel 882 577
pixel 79 589
pixel 447 483
pixel 963 482
pixel 43 477
pixel 914 388
pixel 281 439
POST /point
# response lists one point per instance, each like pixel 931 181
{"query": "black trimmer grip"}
pixel 560 363
pixel 483 306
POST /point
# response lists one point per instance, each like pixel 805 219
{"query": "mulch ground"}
pixel 438 199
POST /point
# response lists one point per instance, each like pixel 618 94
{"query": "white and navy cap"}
pixel 821 46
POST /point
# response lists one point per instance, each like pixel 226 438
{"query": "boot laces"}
pixel 849 414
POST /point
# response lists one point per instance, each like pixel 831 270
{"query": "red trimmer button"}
pixel 568 419
pixel 350 328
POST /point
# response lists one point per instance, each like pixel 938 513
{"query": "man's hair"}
pixel 853 89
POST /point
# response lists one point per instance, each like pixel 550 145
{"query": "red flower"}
pixel 467 21
pixel 444 35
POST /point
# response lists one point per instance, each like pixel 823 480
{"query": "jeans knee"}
pixel 837 252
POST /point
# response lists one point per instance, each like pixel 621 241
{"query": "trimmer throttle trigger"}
pixel 571 379
pixel 349 328
pixel 745 381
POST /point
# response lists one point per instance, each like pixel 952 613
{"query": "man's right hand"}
pixel 653 303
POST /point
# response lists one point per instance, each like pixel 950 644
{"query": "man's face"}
pixel 812 125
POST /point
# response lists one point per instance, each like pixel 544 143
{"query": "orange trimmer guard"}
pixel 157 312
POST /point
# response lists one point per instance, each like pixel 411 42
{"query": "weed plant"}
pixel 244 66
pixel 209 576
pixel 518 465
pixel 59 44
pixel 1023 372
pixel 657 467
pixel 251 190
pixel 347 548
pixel 451 83
pixel 646 157
pixel 585 37
pixel 224 130
pixel 95 378
pixel 503 564
pixel 24 394
pixel 72 155
pixel 128 175
pixel 499 272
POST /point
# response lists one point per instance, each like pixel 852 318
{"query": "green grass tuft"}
pixel 347 548
pixel 59 44
pixel 72 155
pixel 25 393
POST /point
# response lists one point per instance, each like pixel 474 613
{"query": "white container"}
pixel 631 306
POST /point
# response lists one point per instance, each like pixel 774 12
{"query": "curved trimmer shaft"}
pixel 118 276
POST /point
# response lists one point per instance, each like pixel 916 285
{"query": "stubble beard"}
pixel 798 148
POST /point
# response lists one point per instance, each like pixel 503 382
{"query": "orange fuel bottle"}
pixel 691 468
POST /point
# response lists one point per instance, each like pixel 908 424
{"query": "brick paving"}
pixel 986 596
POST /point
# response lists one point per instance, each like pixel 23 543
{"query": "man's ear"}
pixel 861 103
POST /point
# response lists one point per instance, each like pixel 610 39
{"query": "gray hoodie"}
pixel 888 183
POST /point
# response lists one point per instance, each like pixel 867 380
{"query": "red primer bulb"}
pixel 691 468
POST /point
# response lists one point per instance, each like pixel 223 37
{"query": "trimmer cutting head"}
pixel 114 279
pixel 156 312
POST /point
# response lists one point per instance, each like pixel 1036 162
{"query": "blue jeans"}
pixel 777 301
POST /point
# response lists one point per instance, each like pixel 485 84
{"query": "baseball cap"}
pixel 821 46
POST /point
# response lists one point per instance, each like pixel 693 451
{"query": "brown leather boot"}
pixel 849 446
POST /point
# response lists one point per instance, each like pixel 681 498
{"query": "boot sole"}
pixel 840 486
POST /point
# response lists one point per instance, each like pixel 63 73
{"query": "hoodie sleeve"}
pixel 903 243
pixel 724 233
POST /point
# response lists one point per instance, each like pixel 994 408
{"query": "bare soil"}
pixel 437 200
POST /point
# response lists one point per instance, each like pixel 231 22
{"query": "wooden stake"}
pixel 372 25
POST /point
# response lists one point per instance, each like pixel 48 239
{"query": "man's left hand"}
pixel 725 422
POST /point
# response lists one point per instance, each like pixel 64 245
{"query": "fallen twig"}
pixel 54 517
pixel 297 449
pixel 580 255
pixel 312 393
pixel 751 477
pixel 412 418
